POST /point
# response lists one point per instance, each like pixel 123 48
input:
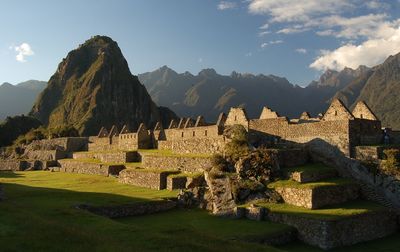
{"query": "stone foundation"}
pixel 12 165
pixel 314 198
pixel 136 209
pixel 73 166
pixel 145 178
pixel 181 163
pixel 328 234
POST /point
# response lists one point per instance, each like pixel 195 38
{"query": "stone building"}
pixel 338 126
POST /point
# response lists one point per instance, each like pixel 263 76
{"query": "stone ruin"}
pixel 183 158
pixel 338 127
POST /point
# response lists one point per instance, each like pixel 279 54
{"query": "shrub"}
pixel 260 165
pixel 63 131
pixel 392 163
pixel 238 146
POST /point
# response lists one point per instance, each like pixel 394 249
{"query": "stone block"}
pixel 174 182
pixel 255 213
pixel 181 163
pixel 333 233
pixel 145 178
pixel 239 212
pixel 317 197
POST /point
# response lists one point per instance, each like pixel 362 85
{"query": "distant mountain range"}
pixel 18 99
pixel 209 93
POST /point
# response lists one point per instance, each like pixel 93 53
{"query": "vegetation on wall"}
pixel 15 126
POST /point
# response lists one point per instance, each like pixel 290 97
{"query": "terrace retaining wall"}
pixel 328 234
pixel 181 163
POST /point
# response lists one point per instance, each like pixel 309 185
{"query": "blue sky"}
pixel 294 39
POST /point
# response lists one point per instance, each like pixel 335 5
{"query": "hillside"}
pixel 18 99
pixel 380 89
pixel 93 87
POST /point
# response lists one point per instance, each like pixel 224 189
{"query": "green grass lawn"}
pixel 39 215
pixel 333 212
pixel 326 182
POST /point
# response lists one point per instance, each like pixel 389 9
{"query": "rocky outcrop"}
pixel 221 194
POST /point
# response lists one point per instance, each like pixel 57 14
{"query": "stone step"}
pixel 310 173
pixel 317 194
pixel 369 192
pixel 343 225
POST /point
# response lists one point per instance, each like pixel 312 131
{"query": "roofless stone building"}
pixel 338 127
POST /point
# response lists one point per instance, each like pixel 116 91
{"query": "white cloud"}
pixel 264 27
pixel 296 10
pixel 301 50
pixel 342 27
pixel 291 30
pixel 376 5
pixel 249 54
pixel 272 42
pixel 226 5
pixel 23 50
pixel 200 60
pixel 370 52
pixel 263 33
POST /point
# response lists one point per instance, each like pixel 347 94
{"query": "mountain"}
pixel 93 87
pixel 380 89
pixel 209 93
pixel 18 99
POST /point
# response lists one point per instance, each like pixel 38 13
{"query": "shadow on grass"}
pixel 9 174
pixel 38 218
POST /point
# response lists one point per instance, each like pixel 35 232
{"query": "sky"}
pixel 296 39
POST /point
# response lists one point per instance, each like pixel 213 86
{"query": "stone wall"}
pixel 200 132
pixel 386 186
pixel 46 154
pixel 365 132
pixel 145 178
pixel 109 157
pixel 333 132
pixel 328 234
pixel 176 182
pixel 68 144
pixel 237 116
pixel 366 153
pixel 195 145
pixel 101 144
pixel 315 198
pixel 141 208
pixel 181 163
pixel 291 157
pixel 12 165
pixel 73 166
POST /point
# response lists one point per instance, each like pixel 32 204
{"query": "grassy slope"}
pixel 327 182
pixel 39 216
pixel 332 213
